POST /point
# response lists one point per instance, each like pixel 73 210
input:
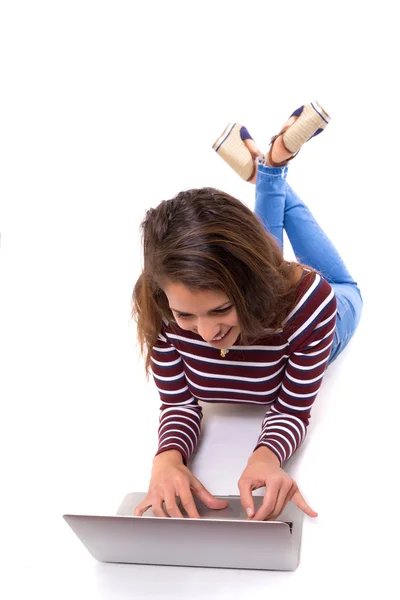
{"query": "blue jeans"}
pixel 279 208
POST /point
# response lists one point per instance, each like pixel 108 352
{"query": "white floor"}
pixel 108 109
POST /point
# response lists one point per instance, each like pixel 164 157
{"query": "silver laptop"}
pixel 221 538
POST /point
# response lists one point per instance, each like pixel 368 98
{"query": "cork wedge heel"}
pixel 232 149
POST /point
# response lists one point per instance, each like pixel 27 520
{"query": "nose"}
pixel 207 330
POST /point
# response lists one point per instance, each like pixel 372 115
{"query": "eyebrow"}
pixel 210 311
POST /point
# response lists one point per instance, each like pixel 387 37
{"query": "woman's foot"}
pixel 253 148
pixel 303 124
pixel 255 153
pixel 236 146
pixel 278 153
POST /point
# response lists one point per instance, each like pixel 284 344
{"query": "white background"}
pixel 106 109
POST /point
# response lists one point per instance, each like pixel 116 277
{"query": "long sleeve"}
pixel 180 415
pixel 285 425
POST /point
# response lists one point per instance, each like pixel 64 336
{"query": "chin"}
pixel 235 335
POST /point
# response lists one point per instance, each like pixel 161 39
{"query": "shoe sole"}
pixel 223 136
pixel 322 113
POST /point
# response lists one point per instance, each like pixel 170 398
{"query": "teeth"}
pixel 219 338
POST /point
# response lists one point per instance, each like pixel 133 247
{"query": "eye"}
pixel 223 310
pixel 219 311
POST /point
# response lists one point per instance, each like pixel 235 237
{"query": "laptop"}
pixel 220 538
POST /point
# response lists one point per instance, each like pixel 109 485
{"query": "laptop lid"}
pixel 224 538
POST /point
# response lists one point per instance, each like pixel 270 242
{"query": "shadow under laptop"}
pixel 175 582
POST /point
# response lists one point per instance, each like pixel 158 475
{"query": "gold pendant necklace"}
pixel 224 352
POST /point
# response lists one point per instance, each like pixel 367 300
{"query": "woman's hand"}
pixel 263 468
pixel 169 479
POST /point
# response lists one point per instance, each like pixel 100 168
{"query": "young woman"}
pixel 225 318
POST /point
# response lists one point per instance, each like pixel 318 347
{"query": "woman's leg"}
pixel 271 188
pixel 312 247
pixel 281 209
pixel 309 242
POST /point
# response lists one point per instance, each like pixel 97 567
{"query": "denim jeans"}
pixel 279 208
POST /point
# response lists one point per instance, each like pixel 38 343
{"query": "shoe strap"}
pixel 275 137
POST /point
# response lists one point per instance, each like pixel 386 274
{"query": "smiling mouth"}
pixel 221 339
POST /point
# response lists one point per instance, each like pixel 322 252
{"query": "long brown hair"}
pixel 206 239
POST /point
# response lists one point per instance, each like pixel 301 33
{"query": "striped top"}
pixel 282 370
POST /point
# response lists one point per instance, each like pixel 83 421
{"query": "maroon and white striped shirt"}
pixel 282 370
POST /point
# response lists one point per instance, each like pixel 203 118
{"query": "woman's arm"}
pixel 285 425
pixel 180 415
pixel 179 431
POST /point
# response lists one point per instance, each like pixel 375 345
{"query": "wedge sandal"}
pixel 312 120
pixel 231 147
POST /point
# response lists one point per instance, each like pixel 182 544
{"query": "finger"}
pixel 172 506
pixel 246 496
pixel 285 494
pixel 299 501
pixel 141 508
pixel 157 508
pixel 188 503
pixel 205 496
pixel 269 502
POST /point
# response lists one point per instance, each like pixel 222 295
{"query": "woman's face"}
pixel 209 313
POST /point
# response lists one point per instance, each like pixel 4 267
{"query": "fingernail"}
pixel 249 512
